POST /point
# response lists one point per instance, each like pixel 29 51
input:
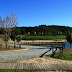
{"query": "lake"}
pixel 68 45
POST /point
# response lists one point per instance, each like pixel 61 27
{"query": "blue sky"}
pixel 37 12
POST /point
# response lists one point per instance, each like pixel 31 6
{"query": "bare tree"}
pixel 8 23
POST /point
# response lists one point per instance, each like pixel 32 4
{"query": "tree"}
pixel 14 33
pixel 5 38
pixel 13 36
pixel 28 33
pixel 18 38
pixel 8 23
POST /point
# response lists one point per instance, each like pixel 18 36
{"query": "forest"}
pixel 41 30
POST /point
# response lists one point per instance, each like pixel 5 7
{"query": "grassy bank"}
pixel 26 70
pixel 22 70
pixel 16 70
pixel 67 54
pixel 13 70
pixel 42 37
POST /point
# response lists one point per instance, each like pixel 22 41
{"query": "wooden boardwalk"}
pixel 63 67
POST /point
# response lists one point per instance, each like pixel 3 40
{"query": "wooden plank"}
pixel 24 65
pixel 68 66
pixel 7 65
pixel 14 66
pixel 1 65
pixel 61 67
pixel 36 66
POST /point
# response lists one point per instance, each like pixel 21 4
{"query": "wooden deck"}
pixel 63 67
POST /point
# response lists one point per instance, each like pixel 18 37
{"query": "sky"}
pixel 38 12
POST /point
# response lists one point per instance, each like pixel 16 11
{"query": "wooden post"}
pixel 52 48
pixel 62 50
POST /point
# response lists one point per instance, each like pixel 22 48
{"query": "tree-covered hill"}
pixel 41 30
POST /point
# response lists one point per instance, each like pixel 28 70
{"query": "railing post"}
pixel 62 50
pixel 52 48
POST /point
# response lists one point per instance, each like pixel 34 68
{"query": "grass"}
pixel 42 37
pixel 67 54
pixel 39 37
pixel 13 70
pixel 24 70
pixel 20 70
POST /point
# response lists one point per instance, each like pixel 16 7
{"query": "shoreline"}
pixel 37 41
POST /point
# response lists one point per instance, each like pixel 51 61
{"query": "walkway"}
pixel 31 52
pixel 63 67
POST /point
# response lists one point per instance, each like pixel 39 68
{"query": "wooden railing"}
pixel 54 46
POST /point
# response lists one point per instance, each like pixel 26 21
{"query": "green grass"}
pixel 42 37
pixel 13 70
pixel 67 54
pixel 20 70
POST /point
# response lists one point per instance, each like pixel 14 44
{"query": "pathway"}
pixel 31 52
pixel 32 66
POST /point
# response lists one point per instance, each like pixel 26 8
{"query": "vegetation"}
pixel 6 38
pixel 67 54
pixel 42 37
pixel 20 70
pixel 18 38
pixel 7 23
pixel 14 70
pixel 42 30
pixel 15 35
pixel 69 37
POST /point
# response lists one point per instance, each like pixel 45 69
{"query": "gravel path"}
pixel 31 52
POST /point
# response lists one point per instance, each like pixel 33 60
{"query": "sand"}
pixel 45 60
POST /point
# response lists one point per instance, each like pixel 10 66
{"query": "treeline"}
pixel 41 30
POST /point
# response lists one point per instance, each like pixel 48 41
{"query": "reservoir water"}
pixel 67 45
